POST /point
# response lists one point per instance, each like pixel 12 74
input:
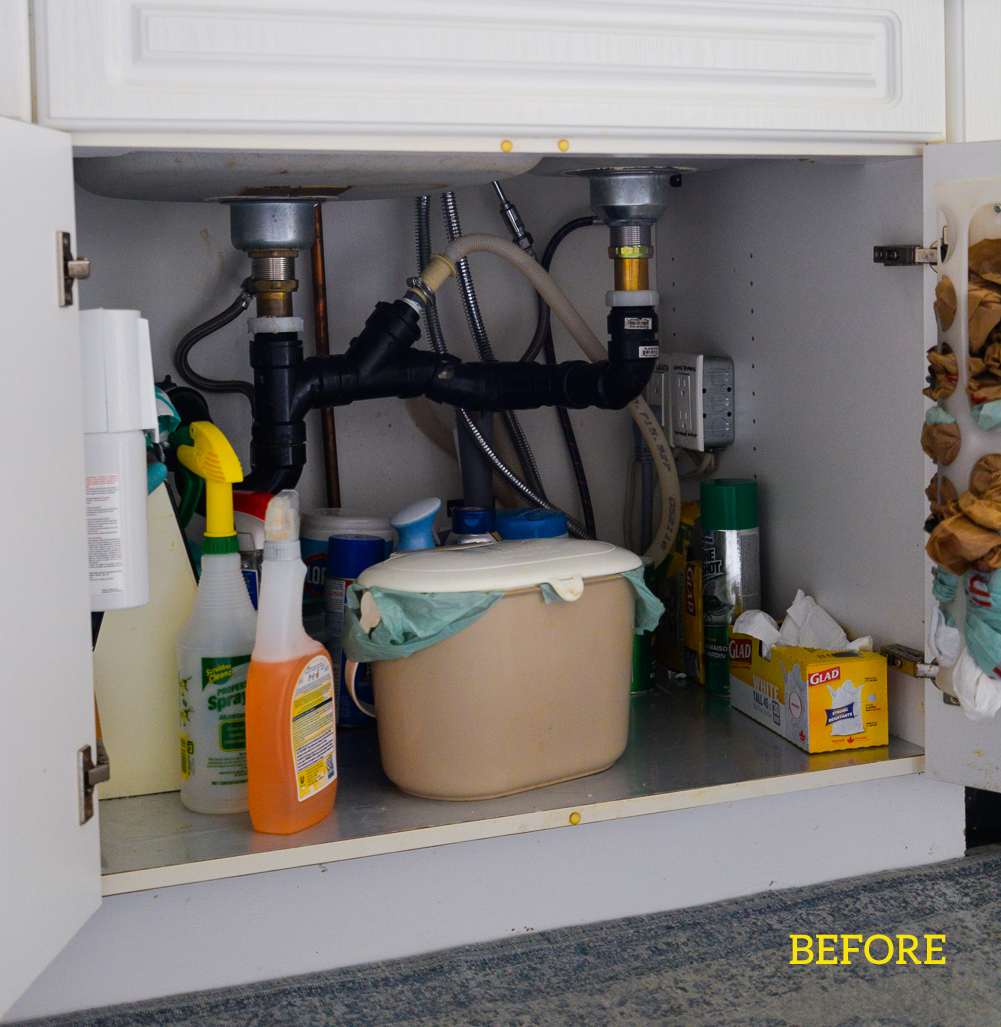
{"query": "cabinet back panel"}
pixel 174 261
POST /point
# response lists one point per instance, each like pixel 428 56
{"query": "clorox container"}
pixel 316 528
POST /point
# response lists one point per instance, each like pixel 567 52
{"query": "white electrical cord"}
pixel 442 267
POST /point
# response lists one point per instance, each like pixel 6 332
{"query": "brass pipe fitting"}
pixel 273 281
pixel 274 304
pixel 632 274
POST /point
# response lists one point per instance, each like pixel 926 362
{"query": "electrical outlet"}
pixel 701 392
pixel 681 403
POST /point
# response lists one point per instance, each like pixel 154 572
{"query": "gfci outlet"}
pixel 700 395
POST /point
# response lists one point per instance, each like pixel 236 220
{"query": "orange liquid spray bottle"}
pixel 291 743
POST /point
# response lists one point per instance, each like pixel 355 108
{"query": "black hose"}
pixel 543 329
pixel 480 338
pixel 542 326
pixel 184 347
pixel 542 321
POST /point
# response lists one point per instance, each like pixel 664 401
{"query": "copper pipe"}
pixel 631 274
pixel 322 334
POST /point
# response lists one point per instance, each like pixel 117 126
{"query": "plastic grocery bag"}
pixel 968 532
pixel 978 693
pixel 944 639
pixel 940 436
pixel 943 373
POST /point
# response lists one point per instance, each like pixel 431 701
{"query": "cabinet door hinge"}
pixel 909 661
pixel 911 255
pixel 70 268
pixel 89 775
pixel 904 256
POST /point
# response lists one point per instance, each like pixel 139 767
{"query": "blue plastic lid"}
pixel 472 520
pixel 514 524
pixel 349 555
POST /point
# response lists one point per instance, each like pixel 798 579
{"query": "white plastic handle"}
pixel 568 589
pixel 350 669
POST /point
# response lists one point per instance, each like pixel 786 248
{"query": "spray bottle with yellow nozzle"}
pixel 215 643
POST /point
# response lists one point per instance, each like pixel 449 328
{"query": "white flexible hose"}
pixel 442 267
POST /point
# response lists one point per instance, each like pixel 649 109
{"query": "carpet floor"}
pixel 721 965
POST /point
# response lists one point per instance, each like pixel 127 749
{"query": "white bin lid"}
pixel 499 567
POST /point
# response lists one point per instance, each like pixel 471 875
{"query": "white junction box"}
pixel 698 394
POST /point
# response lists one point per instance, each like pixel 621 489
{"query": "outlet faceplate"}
pixel 701 397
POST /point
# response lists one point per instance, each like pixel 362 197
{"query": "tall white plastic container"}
pixel 213 658
pixel 119 405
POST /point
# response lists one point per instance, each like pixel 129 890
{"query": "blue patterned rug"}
pixel 722 965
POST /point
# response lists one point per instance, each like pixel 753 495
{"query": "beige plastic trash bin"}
pixel 529 695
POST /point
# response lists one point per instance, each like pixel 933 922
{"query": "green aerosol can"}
pixel 731 568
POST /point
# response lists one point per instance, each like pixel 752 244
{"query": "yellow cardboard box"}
pixel 819 700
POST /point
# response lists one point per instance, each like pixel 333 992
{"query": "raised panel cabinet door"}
pixel 49 863
pixel 962 194
pixel 574 76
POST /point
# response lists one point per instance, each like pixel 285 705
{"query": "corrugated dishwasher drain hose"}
pixel 442 267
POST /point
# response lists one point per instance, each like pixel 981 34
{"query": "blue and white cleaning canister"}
pixel 347 557
pixel 316 527
pixel 472 524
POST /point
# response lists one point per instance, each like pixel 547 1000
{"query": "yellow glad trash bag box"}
pixel 819 700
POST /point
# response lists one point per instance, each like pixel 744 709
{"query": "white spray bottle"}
pixel 215 643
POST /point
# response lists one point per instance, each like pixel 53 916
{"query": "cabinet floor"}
pixel 685 749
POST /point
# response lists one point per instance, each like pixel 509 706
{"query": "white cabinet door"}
pixel 962 189
pixel 49 864
pixel 645 76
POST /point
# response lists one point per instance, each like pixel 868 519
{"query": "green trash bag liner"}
pixel 649 609
pixel 411 621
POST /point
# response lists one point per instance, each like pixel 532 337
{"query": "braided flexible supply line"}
pixel 206 328
pixel 442 267
pixel 574 526
pixel 437 340
pixel 422 212
pixel 474 320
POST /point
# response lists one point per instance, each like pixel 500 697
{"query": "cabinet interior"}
pixel 768 261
